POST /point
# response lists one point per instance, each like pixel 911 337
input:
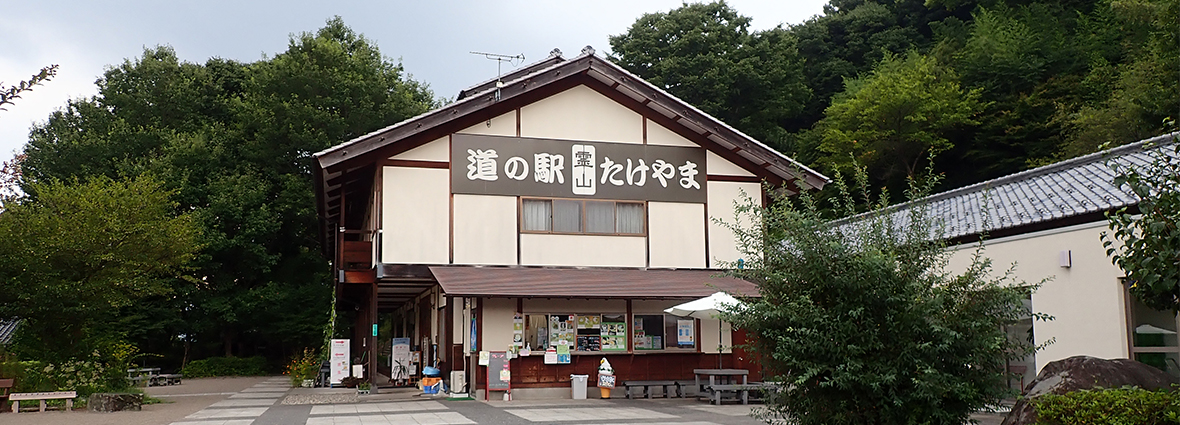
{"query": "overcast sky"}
pixel 432 38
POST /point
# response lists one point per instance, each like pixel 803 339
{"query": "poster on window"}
pixel 517 332
pixel 684 332
pixel 339 361
pixel 561 330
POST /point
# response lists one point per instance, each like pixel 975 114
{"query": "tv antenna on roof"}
pixel 500 59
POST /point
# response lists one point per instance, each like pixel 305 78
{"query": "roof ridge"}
pixel 1023 175
pixel 715 119
pixel 554 54
pixel 439 109
pixel 1071 163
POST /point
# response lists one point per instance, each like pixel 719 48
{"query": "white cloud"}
pixel 432 38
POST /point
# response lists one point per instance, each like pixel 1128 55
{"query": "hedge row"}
pixel 226 366
pixel 1123 406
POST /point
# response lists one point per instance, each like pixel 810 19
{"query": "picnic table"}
pixel 151 376
pixel 721 381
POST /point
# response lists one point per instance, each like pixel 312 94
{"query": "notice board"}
pixel 339 360
pixel 499 373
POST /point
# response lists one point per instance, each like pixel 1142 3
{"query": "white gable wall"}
pixel 581 113
pixel 421 217
pixel 438 150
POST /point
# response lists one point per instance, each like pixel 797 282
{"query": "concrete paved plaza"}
pixel 270 401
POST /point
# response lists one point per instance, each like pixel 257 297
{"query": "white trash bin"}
pixel 578 382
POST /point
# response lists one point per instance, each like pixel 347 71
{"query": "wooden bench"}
pixel 68 396
pixel 5 387
pixel 740 391
pixel 667 387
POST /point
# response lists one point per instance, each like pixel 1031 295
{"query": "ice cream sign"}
pixel 497 165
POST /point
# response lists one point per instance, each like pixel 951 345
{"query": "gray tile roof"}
pixel 1065 189
pixel 7 329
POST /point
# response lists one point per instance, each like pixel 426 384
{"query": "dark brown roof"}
pixel 586 283
pixel 535 82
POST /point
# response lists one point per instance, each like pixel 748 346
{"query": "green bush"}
pixel 226 366
pixel 1123 406
pixel 84 376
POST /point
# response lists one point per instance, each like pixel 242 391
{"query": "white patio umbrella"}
pixel 707 308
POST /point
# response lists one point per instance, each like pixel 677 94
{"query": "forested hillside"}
pixel 990 87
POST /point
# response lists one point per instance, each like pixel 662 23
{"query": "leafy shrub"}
pixel 225 366
pixel 303 366
pixel 1123 406
pixel 84 376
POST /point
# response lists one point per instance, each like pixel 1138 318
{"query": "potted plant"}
pixel 363 388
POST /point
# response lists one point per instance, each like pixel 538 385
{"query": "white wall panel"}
pixel 722 195
pixel 676 234
pixel 1086 299
pixel 416 213
pixel 580 113
pixel 661 136
pixel 497 323
pixel 719 166
pixel 438 150
pixel 485 229
pixel 503 125
pixel 582 250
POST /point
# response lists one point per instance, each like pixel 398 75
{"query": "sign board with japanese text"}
pixel 517 166
pixel 499 376
pixel 339 361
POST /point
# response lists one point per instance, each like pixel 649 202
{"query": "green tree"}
pixel 1139 93
pixel 1147 245
pixel 705 54
pixel 896 116
pixel 76 254
pixel 860 320
pixel 233 141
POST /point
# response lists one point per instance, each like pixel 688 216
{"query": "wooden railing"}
pixel 354 256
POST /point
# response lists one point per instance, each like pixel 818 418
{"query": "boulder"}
pixel 115 402
pixel 1083 373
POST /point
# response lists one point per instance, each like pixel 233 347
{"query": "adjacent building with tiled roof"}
pixel 1048 222
pixel 7 330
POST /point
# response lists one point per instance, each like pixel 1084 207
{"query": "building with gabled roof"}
pixel 565 204
pixel 1048 221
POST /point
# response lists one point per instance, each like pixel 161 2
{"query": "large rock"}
pixel 1085 372
pixel 114 402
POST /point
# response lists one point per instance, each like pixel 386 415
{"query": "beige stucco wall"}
pixel 581 113
pixel 457 321
pixel 661 136
pixel 503 125
pixel 722 195
pixel 485 229
pixel 416 215
pixel 437 150
pixel 582 250
pixel 497 323
pixel 719 166
pixel 1086 299
pixel 676 235
pixel 709 336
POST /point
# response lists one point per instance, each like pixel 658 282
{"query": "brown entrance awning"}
pixel 586 283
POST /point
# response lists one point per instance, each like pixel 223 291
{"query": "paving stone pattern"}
pixel 260 405
pixel 243 410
